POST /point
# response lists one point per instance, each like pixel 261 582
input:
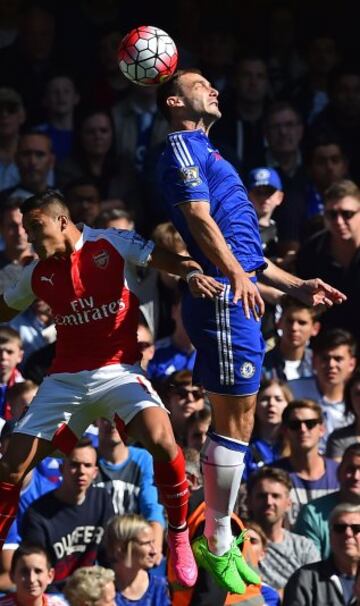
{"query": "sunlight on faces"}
pixel 196 434
pixel 298 326
pixel 265 199
pixel 341 227
pixel 197 98
pixel 11 355
pixel 346 542
pixel 13 232
pixel 334 366
pixel 269 501
pixel 31 577
pixel 45 230
pixel 79 470
pixel 270 404
pixel 304 438
pixel 108 434
pixel 139 553
pixel 108 595
pixel 257 546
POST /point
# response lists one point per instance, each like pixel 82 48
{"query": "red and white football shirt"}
pixel 93 294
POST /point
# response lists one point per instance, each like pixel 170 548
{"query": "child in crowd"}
pixel 11 354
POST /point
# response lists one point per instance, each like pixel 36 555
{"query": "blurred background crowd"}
pixel 288 74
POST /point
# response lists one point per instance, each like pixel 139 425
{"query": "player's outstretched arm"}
pixel 200 285
pixel 312 292
pixel 6 312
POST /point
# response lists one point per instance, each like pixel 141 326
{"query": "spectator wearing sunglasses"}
pixel 182 399
pixel 313 517
pixel 311 474
pixel 330 581
pixel 333 254
pixel 268 504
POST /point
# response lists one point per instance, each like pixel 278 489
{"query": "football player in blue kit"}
pixel 209 206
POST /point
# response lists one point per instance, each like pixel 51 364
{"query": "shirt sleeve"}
pixel 131 246
pixel 184 177
pixel 20 295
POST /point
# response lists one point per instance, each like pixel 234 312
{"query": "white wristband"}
pixel 191 274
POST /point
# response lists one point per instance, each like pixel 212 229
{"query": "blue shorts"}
pixel 229 347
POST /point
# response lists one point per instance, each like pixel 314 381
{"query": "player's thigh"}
pixel 23 452
pixel 126 393
pixel 61 398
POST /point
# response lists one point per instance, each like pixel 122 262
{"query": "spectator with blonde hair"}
pixel 129 543
pixel 91 586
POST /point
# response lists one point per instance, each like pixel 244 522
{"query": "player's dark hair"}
pixel 334 337
pixel 25 550
pixel 44 200
pixel 273 474
pixel 169 88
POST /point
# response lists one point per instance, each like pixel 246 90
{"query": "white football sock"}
pixel 222 461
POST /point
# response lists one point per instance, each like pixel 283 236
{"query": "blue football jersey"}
pixel 191 169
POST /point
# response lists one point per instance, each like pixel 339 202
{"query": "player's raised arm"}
pixel 6 313
pixel 312 292
pixel 200 285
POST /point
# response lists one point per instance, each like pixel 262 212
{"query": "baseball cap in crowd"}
pixel 267 177
pixel 9 96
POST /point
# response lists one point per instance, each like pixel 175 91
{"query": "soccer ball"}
pixel 147 55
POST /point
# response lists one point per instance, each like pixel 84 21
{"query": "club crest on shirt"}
pixel 190 175
pixel 247 370
pixel 101 259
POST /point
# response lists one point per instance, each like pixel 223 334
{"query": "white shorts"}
pixel 72 401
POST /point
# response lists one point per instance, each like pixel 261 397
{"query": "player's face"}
pixel 270 405
pixel 199 97
pixel 31 577
pixel 44 232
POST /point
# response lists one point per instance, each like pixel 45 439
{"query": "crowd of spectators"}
pixel 90 528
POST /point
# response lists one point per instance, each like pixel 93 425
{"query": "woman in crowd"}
pixel 341 438
pixel 130 547
pixel 267 443
pixel 94 157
